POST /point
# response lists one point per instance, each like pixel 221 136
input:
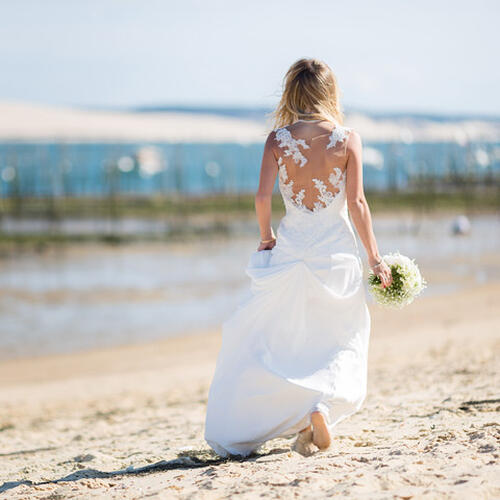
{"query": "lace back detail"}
pixel 339 134
pixel 325 175
pixel 291 146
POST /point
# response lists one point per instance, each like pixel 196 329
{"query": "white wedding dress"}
pixel 299 342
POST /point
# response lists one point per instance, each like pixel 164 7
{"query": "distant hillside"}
pixel 34 122
pixel 260 113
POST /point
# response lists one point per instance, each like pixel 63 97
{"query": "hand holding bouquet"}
pixel 407 282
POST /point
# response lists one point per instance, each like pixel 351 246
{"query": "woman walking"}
pixel 294 355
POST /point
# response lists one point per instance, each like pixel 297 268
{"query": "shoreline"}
pixel 444 285
pixel 127 356
pixel 147 291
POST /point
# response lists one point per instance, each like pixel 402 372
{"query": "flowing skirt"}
pixel 297 344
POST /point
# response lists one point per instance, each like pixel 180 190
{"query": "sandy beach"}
pixel 27 121
pixel 128 422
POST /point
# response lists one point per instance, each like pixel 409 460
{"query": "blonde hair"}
pixel 310 91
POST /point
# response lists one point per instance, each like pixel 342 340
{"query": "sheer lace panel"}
pixel 291 146
pixel 312 163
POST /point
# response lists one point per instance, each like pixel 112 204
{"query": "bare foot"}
pixel 304 444
pixel 321 435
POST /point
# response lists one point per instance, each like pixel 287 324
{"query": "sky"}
pixel 436 56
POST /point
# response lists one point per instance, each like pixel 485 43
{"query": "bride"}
pixel 294 354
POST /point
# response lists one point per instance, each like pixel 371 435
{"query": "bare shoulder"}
pixel 270 140
pixel 271 136
pixel 354 144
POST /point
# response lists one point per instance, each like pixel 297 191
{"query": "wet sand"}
pixel 128 422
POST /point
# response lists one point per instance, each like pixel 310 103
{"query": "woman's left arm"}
pixel 263 197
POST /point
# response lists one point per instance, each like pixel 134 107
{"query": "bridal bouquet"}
pixel 407 282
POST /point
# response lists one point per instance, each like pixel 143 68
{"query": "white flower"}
pixel 407 282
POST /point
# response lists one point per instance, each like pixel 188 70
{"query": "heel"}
pixel 321 433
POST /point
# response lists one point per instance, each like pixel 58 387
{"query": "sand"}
pixel 35 122
pixel 128 422
pixel 30 122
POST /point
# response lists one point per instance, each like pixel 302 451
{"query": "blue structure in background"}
pixel 101 169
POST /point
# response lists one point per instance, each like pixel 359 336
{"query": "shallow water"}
pixel 85 296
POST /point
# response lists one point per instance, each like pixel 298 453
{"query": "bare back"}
pixel 312 160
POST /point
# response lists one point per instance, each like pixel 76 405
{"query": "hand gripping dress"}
pixel 299 342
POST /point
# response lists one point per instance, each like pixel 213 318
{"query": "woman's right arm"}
pixel 359 209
